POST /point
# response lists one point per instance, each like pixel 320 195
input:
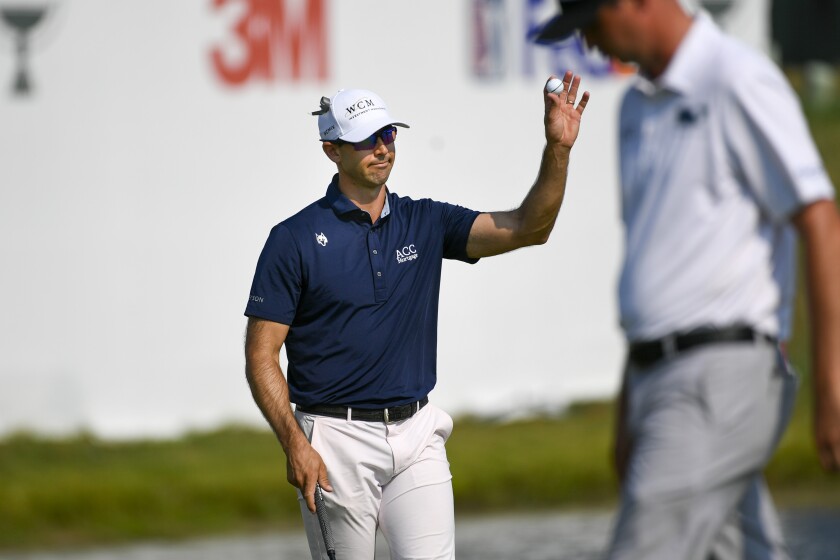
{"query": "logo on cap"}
pixel 353 115
pixel 359 105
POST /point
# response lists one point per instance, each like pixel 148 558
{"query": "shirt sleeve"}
pixel 457 222
pixel 771 144
pixel 276 288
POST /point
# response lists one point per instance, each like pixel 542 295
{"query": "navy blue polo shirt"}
pixel 361 299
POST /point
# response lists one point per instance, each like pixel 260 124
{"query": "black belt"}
pixel 648 352
pixel 387 415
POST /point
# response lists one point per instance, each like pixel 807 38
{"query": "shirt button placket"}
pixel 377 266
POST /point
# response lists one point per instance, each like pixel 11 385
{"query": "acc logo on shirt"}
pixel 407 253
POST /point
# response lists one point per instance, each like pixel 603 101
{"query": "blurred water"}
pixel 812 535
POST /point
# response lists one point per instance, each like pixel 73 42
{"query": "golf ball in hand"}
pixel 554 85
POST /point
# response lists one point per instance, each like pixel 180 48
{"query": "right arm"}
pixel 819 226
pixel 531 224
pixel 304 466
pixel 773 148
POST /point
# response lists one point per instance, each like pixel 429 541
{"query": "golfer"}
pixel 350 285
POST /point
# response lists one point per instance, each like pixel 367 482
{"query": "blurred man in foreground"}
pixel 718 174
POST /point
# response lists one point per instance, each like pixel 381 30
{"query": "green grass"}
pixel 83 491
pixel 545 462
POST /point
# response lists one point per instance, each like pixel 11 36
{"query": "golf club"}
pixel 324 521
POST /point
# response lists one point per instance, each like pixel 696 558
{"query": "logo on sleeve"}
pixel 407 253
pixel 321 239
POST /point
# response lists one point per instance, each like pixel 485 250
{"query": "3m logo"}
pixel 321 239
pixel 407 253
pixel 273 40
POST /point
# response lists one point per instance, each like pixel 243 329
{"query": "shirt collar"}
pixel 387 208
pixel 342 205
pixel 686 72
pixel 339 203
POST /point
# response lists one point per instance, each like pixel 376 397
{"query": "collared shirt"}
pixel 715 156
pixel 361 298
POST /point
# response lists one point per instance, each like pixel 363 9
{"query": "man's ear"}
pixel 332 151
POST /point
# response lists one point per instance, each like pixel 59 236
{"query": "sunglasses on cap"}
pixel 387 134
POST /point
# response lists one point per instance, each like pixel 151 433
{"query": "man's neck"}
pixel 672 30
pixel 371 199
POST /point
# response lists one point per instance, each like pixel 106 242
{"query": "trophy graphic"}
pixel 22 20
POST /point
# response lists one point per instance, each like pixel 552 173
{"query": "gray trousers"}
pixel 702 426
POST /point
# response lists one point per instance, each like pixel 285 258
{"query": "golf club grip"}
pixel 324 521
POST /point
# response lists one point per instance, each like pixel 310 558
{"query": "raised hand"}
pixel 562 115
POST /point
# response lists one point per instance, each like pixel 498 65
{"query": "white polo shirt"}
pixel 715 157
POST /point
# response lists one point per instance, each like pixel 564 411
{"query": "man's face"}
pixel 614 31
pixel 368 167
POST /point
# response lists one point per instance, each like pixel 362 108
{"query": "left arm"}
pixel 530 224
pixel 819 226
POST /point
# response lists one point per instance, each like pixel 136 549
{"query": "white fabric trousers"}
pixel 703 425
pixel 394 477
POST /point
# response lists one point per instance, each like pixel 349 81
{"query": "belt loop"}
pixel 385 412
pixel 669 346
pixel 349 414
pixel 416 410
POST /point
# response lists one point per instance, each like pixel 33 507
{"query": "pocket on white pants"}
pixel 444 423
pixel 306 423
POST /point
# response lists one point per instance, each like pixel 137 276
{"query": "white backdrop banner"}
pixel 148 146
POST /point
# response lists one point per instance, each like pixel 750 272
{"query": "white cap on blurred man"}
pixel 352 115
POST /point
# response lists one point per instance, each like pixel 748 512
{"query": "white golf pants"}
pixel 394 477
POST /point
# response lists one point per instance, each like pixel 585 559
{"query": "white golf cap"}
pixel 352 115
